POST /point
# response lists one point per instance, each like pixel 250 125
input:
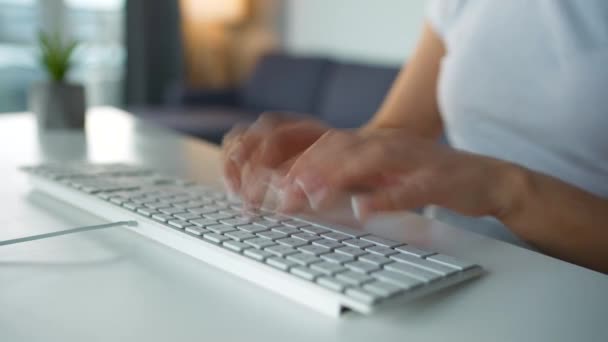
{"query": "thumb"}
pixel 414 192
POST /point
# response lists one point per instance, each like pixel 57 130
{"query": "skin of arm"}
pixel 411 103
pixel 559 219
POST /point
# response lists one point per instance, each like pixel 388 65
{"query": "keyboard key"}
pixel 306 237
pixel 332 283
pixel 203 222
pixel 327 243
pixel 337 258
pixel 362 295
pixel 335 236
pixel 236 222
pixel 196 230
pixel 362 266
pixel 239 235
pixel 357 243
pixel 352 251
pixel 171 210
pixel 314 230
pixel 157 205
pixel 257 254
pixel 179 224
pixel 412 271
pixel 281 251
pixel 424 264
pixel 272 235
pixel 203 210
pixel 131 205
pixel 236 246
pixel 382 289
pixel 178 199
pixel 143 200
pixel 354 278
pixel 212 208
pixel 118 200
pixel 314 250
pixel 303 258
pixel 265 223
pixel 260 243
pixel 381 241
pixel 220 228
pixel 280 263
pixel 147 211
pixel 375 259
pixel 401 280
pixel 215 238
pixel 294 223
pixel 251 228
pixel 286 230
pixel 451 262
pixel 230 212
pixel 218 216
pixel 380 250
pixel 275 218
pixel 162 217
pixel 329 268
pixel 411 250
pixel 187 216
pixel 305 272
pixel 292 242
pixel 189 205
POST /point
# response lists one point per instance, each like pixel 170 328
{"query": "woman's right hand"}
pixel 252 155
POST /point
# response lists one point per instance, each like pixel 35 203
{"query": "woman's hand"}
pixel 390 170
pixel 253 154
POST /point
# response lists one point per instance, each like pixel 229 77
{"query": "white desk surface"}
pixel 116 286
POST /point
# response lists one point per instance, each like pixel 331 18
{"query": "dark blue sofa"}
pixel 344 95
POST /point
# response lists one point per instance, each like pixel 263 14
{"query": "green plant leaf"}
pixel 56 55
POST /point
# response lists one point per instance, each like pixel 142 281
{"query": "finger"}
pixel 303 173
pixel 263 162
pixel 346 168
pixel 256 178
pixel 413 192
pixel 240 143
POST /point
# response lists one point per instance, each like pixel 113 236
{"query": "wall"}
pixel 219 56
pixel 377 31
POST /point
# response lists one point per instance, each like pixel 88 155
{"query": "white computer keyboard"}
pixel 329 268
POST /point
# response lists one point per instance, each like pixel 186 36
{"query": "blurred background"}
pixel 199 66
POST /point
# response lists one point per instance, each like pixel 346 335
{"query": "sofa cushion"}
pixel 353 93
pixel 209 123
pixel 281 82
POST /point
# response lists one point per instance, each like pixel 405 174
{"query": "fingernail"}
pixel 230 188
pixel 237 155
pixel 287 198
pixel 355 204
pixel 315 194
pixel 360 207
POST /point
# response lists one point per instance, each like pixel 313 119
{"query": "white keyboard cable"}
pixel 68 231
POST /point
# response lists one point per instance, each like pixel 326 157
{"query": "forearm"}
pixel 557 218
pixel 411 104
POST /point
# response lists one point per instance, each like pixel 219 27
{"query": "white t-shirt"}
pixel 527 81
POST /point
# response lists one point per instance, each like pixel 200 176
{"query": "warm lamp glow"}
pixel 214 10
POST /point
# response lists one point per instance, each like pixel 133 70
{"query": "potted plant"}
pixel 57 103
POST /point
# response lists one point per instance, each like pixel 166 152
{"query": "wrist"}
pixel 515 189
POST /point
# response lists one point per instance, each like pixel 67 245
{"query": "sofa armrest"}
pixel 180 95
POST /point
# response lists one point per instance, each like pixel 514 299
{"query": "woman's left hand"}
pixel 388 170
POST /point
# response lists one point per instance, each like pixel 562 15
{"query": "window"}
pixel 98 62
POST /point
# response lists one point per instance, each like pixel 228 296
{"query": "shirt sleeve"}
pixel 441 14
